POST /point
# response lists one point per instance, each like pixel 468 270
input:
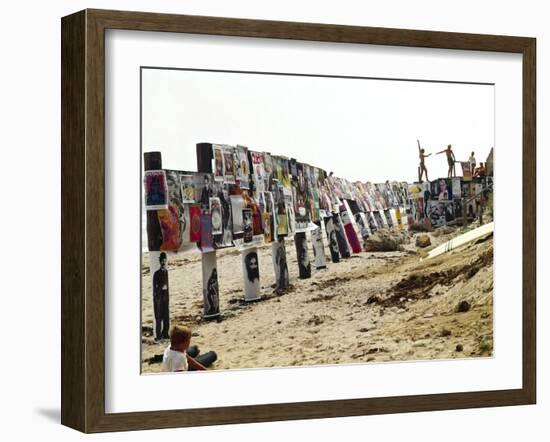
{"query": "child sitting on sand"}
pixel 176 356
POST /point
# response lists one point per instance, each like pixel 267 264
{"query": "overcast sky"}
pixel 360 129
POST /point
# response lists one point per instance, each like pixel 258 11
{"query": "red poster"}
pixel 195 217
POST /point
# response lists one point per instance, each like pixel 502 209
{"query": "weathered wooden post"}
pixel 157 268
pixel 210 286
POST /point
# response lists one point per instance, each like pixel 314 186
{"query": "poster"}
pixel 207 243
pixel 217 153
pixel 195 221
pixel 466 171
pixel 237 213
pixel 258 171
pixel 204 189
pixel 156 190
pixel 243 167
pixel 216 214
pixel 248 230
pixel 229 165
pixel 187 188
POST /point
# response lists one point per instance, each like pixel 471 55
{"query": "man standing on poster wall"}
pixel 161 300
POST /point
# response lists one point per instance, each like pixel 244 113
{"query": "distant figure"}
pixel 480 171
pixel 422 167
pixel 450 159
pixel 161 300
pixel 473 162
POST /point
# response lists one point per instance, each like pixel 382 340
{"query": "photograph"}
pixel 335 224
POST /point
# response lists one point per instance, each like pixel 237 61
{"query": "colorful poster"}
pixel 195 217
pixel 187 188
pixel 156 190
pixel 217 153
pixel 169 226
pixel 229 165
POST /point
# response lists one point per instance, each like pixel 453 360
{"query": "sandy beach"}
pixel 370 308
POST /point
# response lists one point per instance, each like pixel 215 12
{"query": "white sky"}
pixel 360 129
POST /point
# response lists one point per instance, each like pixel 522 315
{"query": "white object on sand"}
pixel 465 238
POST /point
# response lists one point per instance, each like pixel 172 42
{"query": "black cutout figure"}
pixel 161 299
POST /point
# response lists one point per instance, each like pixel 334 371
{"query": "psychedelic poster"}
pixel 195 221
pixel 156 190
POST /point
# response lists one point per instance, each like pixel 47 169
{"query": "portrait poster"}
pixel 248 229
pixel 229 165
pixel 243 167
pixel 204 189
pixel 217 152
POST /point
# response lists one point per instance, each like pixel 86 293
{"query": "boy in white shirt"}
pixel 175 356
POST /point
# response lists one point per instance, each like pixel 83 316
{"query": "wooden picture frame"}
pixel 83 219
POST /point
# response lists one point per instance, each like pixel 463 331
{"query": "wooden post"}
pixel 210 286
pixel 160 296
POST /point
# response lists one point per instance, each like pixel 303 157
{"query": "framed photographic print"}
pixel 269 220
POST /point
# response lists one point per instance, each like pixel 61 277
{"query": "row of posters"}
pixel 253 196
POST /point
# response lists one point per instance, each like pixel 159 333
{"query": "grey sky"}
pixel 359 129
